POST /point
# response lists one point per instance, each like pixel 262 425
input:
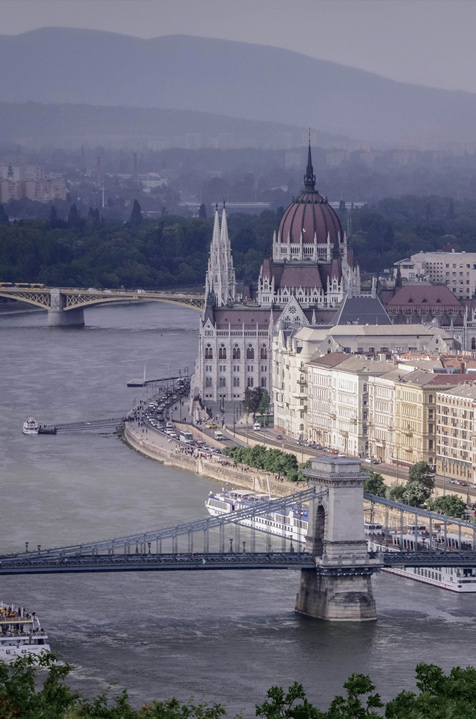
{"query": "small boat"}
pixel 138 382
pixel 20 633
pixel 30 426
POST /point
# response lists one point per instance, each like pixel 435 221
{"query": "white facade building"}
pixel 456 270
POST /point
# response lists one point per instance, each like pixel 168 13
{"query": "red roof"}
pixel 311 216
pixel 427 296
pixel 235 318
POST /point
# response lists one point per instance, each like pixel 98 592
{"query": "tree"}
pixel 136 214
pixel 419 487
pixel 3 217
pixel 202 213
pixel 264 404
pixel 374 484
pixel 252 400
pixel 74 220
pixel 450 504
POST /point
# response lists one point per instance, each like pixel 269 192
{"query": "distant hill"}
pixel 254 82
pixel 35 123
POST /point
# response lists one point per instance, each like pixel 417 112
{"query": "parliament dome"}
pixel 310 219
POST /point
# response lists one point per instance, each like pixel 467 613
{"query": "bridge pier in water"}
pixel 59 317
pixel 340 586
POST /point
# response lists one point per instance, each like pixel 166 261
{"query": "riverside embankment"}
pixel 157 446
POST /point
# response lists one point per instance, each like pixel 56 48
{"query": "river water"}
pixel 219 636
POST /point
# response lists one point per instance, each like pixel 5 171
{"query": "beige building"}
pixel 455 456
pixel 456 270
pixel 290 392
pixel 382 412
pixel 338 398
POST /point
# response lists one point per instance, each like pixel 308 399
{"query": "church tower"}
pixel 220 280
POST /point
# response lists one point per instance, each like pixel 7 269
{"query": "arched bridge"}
pixel 65 305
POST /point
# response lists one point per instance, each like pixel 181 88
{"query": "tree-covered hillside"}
pixel 91 251
pixel 83 252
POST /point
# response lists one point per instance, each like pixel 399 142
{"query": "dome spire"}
pixel 309 177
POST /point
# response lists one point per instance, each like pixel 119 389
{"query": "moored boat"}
pixel 20 633
pixel 30 426
pixel 294 526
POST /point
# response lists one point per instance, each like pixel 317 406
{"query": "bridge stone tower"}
pixel 339 588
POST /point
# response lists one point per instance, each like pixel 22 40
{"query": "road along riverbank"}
pixel 157 446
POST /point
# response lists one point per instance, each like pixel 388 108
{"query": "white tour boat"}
pixel 30 426
pixel 456 579
pixel 20 633
pixel 294 526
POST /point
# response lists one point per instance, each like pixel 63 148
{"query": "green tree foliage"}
pixel 202 212
pixel 263 407
pixel 136 214
pixel 252 401
pixel 269 460
pixel 394 228
pixel 374 484
pixel 3 217
pixel 450 504
pixel 26 694
pixel 419 487
pixel 99 252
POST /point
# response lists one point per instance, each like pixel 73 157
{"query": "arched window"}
pixel 263 382
pixel 208 382
pixel 222 352
pixel 264 352
pixel 208 352
pixel 250 353
pixel 430 398
pixel 236 352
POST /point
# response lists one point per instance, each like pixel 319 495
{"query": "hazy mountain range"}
pixel 252 82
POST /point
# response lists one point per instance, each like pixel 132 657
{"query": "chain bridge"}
pixel 336 552
pixel 66 305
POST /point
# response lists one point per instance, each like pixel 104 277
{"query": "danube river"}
pixel 224 636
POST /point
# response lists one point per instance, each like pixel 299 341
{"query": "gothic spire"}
pixel 220 278
pixel 309 177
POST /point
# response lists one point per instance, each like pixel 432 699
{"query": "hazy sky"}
pixel 429 42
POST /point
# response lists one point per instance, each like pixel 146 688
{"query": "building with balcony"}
pixel 456 410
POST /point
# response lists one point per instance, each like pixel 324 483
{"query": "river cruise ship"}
pixel 294 526
pixel 20 633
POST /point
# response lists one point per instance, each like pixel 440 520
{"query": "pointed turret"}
pixel 220 279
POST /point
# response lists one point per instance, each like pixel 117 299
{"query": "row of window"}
pixel 236 382
pixel 236 352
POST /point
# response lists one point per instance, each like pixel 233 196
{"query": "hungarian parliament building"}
pixel 311 271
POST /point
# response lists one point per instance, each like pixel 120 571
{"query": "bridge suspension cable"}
pixel 175 531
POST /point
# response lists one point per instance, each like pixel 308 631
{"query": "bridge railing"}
pixel 140 541
pixel 441 532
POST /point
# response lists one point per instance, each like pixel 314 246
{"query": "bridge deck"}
pixel 157 562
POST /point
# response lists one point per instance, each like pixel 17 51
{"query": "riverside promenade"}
pixel 157 446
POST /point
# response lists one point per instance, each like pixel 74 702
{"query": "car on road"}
pixel 211 425
pixel 279 436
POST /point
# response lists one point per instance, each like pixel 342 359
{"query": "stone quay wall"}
pixel 254 480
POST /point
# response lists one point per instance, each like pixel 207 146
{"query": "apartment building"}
pixel 338 401
pixel 455 408
pixel 456 270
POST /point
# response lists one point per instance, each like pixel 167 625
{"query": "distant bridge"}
pixel 65 305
